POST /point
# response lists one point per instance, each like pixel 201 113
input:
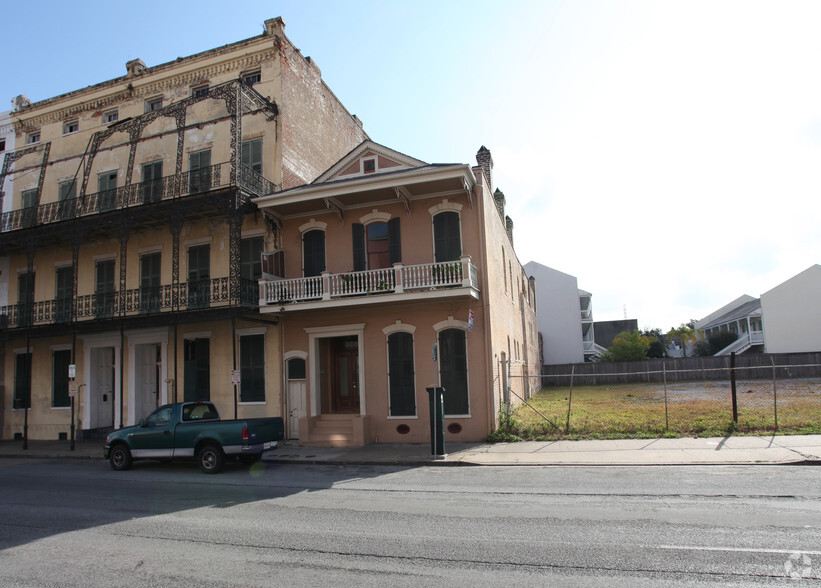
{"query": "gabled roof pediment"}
pixel 366 159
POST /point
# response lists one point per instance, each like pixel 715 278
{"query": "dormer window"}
pixel 368 166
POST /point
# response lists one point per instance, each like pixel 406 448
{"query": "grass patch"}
pixel 688 409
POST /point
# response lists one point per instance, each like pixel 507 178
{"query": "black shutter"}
pixel 400 376
pixel 358 247
pixel 313 253
pixel 394 241
pixel 59 382
pixel 453 368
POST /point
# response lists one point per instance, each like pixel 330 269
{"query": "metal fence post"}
pixel 505 383
pixel 666 417
pixel 732 387
pixel 775 396
pixel 569 401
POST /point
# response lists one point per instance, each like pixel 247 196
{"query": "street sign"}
pixel 72 389
pixel 234 377
pixel 72 371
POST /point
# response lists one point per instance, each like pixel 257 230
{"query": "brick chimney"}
pixel 485 161
pixel 499 197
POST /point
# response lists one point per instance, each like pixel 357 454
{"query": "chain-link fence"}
pixel 673 397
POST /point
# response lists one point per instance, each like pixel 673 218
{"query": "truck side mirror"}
pixel 142 423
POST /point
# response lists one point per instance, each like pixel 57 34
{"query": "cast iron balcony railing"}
pixel 399 279
pixel 154 300
pixel 181 185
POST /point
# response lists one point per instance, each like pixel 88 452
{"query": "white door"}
pixel 146 379
pixel 295 369
pixel 102 387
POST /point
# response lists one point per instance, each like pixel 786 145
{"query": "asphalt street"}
pixel 78 523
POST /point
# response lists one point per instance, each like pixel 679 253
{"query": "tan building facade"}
pixel 377 261
pixel 132 243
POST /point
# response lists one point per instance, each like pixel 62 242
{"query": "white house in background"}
pixel 792 316
pixel 786 319
pixel 742 316
pixel 565 316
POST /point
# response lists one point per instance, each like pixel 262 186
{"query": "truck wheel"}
pixel 120 458
pixel 211 459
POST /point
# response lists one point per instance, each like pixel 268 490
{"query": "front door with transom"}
pixel 341 381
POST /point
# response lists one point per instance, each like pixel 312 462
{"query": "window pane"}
pixel 199 276
pixel 377 245
pixel 252 155
pixel 251 258
pixel 296 369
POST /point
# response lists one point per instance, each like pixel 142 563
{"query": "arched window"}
pixel 376 245
pixel 447 240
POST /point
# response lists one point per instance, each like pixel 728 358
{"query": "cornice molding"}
pixel 134 88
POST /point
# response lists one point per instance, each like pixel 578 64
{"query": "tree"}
pixel 656 340
pixel 627 347
pixel 712 344
pixel 686 333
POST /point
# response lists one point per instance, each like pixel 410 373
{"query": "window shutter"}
pixel 358 247
pixel 394 241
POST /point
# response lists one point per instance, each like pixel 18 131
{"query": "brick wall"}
pixel 317 130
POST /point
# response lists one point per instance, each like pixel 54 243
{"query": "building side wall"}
pixel 791 315
pixel 559 314
pixel 508 303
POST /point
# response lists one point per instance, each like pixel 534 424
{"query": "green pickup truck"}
pixel 192 430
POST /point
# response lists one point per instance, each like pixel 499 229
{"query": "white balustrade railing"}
pixel 397 279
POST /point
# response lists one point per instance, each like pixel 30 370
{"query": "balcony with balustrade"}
pixel 400 283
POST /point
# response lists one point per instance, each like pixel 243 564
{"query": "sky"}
pixel 666 153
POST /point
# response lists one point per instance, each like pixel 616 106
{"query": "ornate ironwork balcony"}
pixel 212 293
pixel 181 185
pixel 399 279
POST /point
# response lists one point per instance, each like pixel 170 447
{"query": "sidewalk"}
pixel 779 449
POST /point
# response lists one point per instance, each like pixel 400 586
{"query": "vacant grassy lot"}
pixel 683 409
